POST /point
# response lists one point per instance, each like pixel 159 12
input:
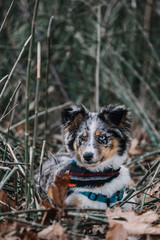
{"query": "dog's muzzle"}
pixel 88 156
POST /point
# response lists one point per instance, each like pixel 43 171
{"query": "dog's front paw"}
pixel 73 201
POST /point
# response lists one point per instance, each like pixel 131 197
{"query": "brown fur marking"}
pixel 98 133
pixel 122 123
pixel 85 134
pixel 108 153
pixel 77 150
pixel 75 145
pixel 76 122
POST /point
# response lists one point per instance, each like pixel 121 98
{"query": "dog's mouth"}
pixel 91 163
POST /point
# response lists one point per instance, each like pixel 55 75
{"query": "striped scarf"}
pixel 81 177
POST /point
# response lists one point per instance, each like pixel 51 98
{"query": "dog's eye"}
pixel 82 138
pixel 102 138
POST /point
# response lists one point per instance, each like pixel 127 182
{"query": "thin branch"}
pixel 132 190
pixel 98 55
pixel 47 72
pixel 9 9
pixel 19 57
pixel 4 78
pixel 52 109
pixel 35 121
pixel 8 112
pixel 27 191
pixel 41 160
pixel 13 156
pixel 10 100
pixel 3 182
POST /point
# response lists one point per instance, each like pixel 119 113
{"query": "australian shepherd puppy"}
pixel 97 147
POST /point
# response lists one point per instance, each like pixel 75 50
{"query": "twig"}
pixel 143 189
pixel 2 183
pixel 27 103
pixel 52 109
pixel 41 160
pixel 36 106
pixel 12 163
pixel 35 121
pixel 30 223
pixel 8 113
pixel 14 103
pixel 3 214
pixel 132 190
pixel 86 216
pixel 98 55
pixel 83 209
pixel 19 57
pixel 145 155
pixel 10 100
pixel 15 159
pixel 46 83
pixel 146 191
pixel 9 9
pixel 4 78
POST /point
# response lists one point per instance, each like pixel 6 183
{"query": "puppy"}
pixel 97 147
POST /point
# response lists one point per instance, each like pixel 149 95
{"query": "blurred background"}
pixel 101 52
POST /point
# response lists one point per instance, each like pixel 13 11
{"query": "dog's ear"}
pixel 116 116
pixel 73 116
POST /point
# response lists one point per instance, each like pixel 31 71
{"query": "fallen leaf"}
pixel 6 201
pixel 45 204
pixel 30 236
pixel 57 190
pixel 116 231
pixel 135 224
pixel 153 192
pixel 49 216
pixel 53 232
pixel 134 149
pixel 16 231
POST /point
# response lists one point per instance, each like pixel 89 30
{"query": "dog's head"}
pixel 97 140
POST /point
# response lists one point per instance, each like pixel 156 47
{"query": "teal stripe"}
pixel 101 198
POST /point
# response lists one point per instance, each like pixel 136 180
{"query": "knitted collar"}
pixel 81 177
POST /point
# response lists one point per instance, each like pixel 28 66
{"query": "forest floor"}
pixel 42 220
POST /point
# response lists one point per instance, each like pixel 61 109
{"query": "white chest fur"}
pixel 107 189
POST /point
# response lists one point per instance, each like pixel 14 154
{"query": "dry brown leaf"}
pixel 5 200
pixel 116 231
pixel 30 236
pixel 53 193
pixel 154 192
pixel 49 216
pixel 16 231
pixel 134 149
pixel 135 224
pixel 45 204
pixel 4 228
pixel 57 190
pixel 53 232
pixel 62 182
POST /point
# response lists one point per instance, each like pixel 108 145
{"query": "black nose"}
pixel 88 156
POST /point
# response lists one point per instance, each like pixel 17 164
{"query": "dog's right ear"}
pixel 73 116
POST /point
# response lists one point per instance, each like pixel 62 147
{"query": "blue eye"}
pixel 82 138
pixel 102 138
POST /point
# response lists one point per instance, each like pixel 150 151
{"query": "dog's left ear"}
pixel 116 116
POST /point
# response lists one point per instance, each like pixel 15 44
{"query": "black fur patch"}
pixel 116 116
pixel 70 113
